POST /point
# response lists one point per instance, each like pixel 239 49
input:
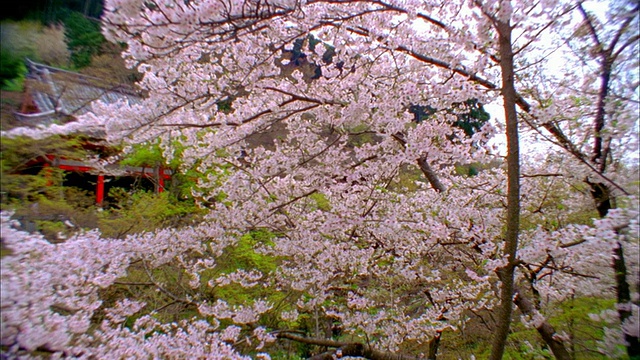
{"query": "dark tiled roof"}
pixel 59 94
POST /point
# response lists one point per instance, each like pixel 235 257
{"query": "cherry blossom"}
pixel 374 226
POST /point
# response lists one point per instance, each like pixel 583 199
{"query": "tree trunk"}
pixel 433 346
pixel 545 329
pixel 623 294
pixel 602 193
pixel 506 273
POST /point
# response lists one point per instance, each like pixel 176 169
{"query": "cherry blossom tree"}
pixel 605 43
pixel 371 226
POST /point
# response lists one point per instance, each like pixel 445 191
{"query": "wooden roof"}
pixel 57 95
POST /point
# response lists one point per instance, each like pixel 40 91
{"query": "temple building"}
pixel 57 96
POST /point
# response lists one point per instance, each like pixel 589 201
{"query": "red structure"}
pixel 55 95
pixel 100 190
pixel 158 175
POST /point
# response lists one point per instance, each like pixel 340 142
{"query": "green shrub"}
pixel 12 71
pixel 84 39
pixel 139 211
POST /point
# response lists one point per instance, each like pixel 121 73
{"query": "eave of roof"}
pixel 58 93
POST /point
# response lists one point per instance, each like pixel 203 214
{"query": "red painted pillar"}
pixel 100 190
pixel 160 180
pixel 47 174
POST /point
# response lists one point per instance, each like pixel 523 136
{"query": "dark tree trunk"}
pixel 623 294
pixel 433 346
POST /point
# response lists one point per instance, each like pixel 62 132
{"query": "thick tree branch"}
pixel 589 23
pixel 423 163
pixel 545 329
pixel 430 174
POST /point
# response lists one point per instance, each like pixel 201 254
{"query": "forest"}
pixel 380 179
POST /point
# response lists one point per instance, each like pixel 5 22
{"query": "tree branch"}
pixel 592 29
pixel 545 329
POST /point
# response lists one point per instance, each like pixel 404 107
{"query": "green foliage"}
pixel 16 152
pixel 37 196
pixel 552 212
pixel 142 211
pixel 51 229
pixel 21 188
pixel 33 40
pixel 362 138
pixel 23 178
pixel 225 106
pixel 322 203
pixel 49 11
pixel 51 209
pixel 244 255
pixel 150 154
pixel 468 169
pixel 12 70
pixel 144 155
pixel 470 115
pixel 84 38
pixel 184 181
pixel 570 317
pixel 407 180
pixel 139 283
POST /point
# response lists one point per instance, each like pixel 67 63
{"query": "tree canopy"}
pixel 331 175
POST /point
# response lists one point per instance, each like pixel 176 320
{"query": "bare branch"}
pixel 592 29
